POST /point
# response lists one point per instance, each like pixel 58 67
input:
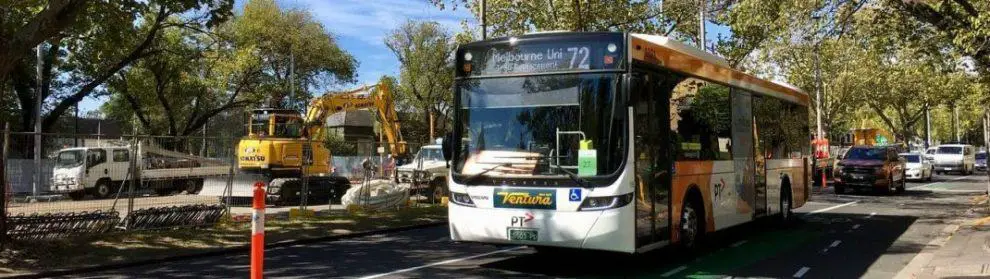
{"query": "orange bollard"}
pixel 824 180
pixel 258 232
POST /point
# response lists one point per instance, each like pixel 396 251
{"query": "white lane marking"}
pixel 674 271
pixel 856 226
pixel 933 183
pixel 831 208
pixel 835 243
pixel 741 242
pixel 450 261
pixel 871 215
pixel 801 272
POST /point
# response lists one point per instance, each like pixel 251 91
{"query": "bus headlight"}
pixel 461 199
pixel 602 203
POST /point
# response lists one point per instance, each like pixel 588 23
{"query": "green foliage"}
pixel 425 50
pixel 339 146
pixel 88 42
pixel 271 39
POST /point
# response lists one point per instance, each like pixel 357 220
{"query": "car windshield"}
pixel 950 150
pixel 913 158
pixel 866 154
pixel 981 156
pixel 429 154
pixel 538 125
pixel 70 158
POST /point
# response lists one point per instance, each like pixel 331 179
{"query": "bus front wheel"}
pixel 691 229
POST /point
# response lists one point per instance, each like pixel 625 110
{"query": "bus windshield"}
pixel 540 126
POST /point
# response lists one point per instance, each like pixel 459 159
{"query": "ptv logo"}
pixel 519 221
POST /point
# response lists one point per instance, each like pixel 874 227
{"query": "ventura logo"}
pixel 537 199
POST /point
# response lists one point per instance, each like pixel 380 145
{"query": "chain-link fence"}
pixel 64 185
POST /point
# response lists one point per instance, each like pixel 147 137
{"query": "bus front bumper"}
pixel 608 230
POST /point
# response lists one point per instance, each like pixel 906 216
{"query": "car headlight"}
pixel 461 199
pixel 602 203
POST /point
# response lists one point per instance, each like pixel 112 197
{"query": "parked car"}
pixel 957 158
pixel 918 167
pixel 930 153
pixel 981 161
pixel 876 168
pixel 427 171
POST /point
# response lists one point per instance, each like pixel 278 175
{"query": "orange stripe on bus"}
pixel 672 59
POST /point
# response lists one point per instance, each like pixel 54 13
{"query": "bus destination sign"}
pixel 538 58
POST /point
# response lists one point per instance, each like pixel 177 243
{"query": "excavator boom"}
pixel 375 96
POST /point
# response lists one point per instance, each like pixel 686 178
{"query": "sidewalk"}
pixel 963 253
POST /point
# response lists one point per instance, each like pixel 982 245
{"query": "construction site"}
pixel 98 183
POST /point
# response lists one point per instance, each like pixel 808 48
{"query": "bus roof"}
pixel 674 55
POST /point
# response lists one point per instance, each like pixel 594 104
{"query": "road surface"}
pixel 837 236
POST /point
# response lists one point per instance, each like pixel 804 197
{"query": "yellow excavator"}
pixel 287 148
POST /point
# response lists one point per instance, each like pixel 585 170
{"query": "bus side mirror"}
pixel 447 147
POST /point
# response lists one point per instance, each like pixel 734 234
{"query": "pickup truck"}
pixel 427 171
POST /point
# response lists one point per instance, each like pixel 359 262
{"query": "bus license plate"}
pixel 523 234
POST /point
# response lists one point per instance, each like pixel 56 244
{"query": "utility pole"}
pixel 701 25
pixel 484 25
pixel 39 96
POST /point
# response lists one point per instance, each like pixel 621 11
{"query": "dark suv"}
pixel 876 168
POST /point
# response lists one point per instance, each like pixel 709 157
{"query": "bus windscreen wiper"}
pixel 483 172
pixel 580 181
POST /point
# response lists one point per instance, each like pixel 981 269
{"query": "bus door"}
pixel 760 158
pixel 651 118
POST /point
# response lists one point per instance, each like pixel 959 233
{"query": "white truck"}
pixel 427 171
pixel 100 171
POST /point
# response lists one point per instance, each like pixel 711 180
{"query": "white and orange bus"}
pixel 619 142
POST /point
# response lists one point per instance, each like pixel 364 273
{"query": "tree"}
pixel 177 91
pixel 425 51
pixel 285 42
pixel 102 39
pixel 198 75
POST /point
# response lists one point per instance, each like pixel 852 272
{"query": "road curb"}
pixel 916 266
pixel 221 252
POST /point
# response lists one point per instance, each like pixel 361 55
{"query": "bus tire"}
pixel 691 229
pixel 786 203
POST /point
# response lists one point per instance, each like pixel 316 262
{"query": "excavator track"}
pixel 320 190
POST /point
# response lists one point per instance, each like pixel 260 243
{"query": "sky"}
pixel 360 27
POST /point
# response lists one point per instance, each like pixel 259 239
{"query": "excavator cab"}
pixel 277 123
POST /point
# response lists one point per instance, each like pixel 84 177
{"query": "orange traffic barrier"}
pixel 258 232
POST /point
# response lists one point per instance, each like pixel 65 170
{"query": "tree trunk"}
pixel 431 115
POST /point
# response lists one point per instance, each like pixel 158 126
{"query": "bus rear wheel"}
pixel 785 206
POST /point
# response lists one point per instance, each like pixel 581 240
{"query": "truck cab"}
pixel 90 170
